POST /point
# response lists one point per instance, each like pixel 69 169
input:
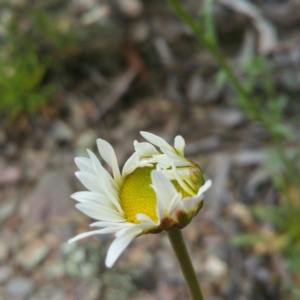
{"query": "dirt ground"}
pixel 137 67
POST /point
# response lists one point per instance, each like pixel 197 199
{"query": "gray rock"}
pixel 262 275
pixel 195 88
pixel 33 255
pixel 61 132
pixel 214 268
pixel 49 293
pixel 19 287
pixel 257 179
pixel 54 269
pixel 228 118
pixel 50 199
pixel 131 8
pixel 7 209
pixel 4 250
pixel 10 175
pixel 220 168
pixel 249 158
pixel 87 140
pixel 5 273
pixel 139 31
pixel 204 145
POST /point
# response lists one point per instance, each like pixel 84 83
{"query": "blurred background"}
pixel 73 71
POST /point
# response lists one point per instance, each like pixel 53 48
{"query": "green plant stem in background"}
pixel 212 47
pixel 184 260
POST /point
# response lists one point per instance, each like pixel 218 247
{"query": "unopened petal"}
pixel 174 204
pixel 191 203
pixel 205 187
pixel 181 181
pixel 163 186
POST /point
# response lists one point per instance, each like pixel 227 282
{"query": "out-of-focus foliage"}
pixel 33 43
pixel 283 165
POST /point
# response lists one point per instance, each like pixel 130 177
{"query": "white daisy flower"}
pixel 157 189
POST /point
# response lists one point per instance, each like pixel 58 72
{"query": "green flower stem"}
pixel 212 48
pixel 184 260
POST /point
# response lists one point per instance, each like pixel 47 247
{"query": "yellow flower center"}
pixel 138 197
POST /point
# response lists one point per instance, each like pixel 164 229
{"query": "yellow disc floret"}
pixel 138 197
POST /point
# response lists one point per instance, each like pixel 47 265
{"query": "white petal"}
pixel 97 198
pixel 163 160
pixel 84 164
pixel 108 154
pixel 94 184
pixel 144 218
pixel 131 164
pixel 173 155
pixel 177 208
pixel 174 203
pixel 118 246
pixel 135 227
pixel 100 214
pixel 183 163
pixel 144 148
pixel 183 173
pixel 144 164
pixel 89 233
pixel 179 144
pixel 120 225
pixel 90 181
pixel 104 209
pixel 106 180
pixel 108 185
pixel 163 186
pixel 157 141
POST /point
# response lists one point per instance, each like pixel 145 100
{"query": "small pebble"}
pixel 7 209
pixel 228 118
pixel 19 287
pixel 215 268
pixel 33 255
pixel 10 175
pixel 61 132
pixel 5 273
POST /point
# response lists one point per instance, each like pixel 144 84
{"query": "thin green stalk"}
pixel 184 260
pixel 211 47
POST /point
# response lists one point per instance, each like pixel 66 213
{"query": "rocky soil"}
pixel 139 68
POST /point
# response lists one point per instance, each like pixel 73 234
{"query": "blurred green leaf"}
pixel 247 240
